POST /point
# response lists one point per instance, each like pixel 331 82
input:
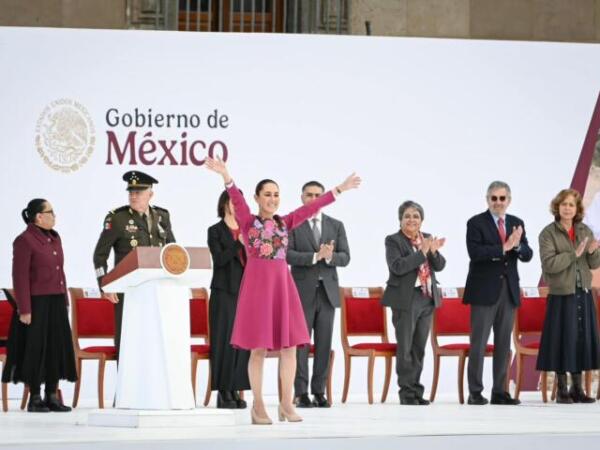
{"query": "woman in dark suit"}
pixel 569 341
pixel 40 349
pixel 412 293
pixel 229 366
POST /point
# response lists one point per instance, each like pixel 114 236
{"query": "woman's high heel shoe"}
pixel 283 416
pixel 257 420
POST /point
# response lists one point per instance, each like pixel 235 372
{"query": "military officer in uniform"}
pixel 130 226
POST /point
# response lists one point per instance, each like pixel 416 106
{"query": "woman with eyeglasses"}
pixel 40 349
pixel 569 341
pixel 269 314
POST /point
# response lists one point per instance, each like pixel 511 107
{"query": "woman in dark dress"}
pixel 569 341
pixel 40 348
pixel 229 366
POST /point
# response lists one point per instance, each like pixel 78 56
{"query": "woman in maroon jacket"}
pixel 40 349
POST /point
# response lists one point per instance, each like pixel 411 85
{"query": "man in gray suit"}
pixel 315 250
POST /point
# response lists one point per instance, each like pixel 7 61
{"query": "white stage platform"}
pixel 355 425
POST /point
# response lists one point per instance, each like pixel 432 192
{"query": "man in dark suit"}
pixel 315 250
pixel 495 242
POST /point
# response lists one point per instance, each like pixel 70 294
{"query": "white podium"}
pixel 154 371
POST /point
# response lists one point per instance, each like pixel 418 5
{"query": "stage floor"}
pixel 354 425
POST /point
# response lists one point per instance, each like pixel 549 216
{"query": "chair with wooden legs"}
pixel 199 328
pixel 527 330
pixel 453 319
pixel 362 316
pixel 91 318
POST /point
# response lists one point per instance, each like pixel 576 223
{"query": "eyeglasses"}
pixel 48 212
pixel 496 198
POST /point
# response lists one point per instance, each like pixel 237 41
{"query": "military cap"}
pixel 138 181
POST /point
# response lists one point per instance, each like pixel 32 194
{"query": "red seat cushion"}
pixel 379 346
pixel 108 349
pixel 453 317
pixel 95 317
pixel 534 344
pixel 198 317
pixel 2 350
pixel 531 314
pixel 465 346
pixel 6 312
pixel 202 349
pixel 364 316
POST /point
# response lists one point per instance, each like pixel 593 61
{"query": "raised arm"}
pixel 242 211
pixel 298 216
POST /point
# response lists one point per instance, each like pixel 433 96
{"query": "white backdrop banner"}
pixel 430 120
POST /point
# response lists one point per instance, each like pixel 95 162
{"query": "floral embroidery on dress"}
pixel 268 239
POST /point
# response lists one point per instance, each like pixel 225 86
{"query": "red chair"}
pixel 529 323
pixel 200 329
pixel 6 312
pixel 92 318
pixel 453 318
pixel 365 317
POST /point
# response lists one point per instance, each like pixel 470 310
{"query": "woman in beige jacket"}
pixel 569 341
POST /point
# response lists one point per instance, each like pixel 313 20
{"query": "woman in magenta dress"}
pixel 269 314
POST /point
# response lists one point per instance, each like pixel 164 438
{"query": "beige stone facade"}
pixel 539 20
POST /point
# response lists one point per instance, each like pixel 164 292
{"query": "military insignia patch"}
pixel 107 225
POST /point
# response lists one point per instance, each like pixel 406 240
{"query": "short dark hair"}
pixel 410 204
pixel 313 184
pixel 261 183
pixel 222 203
pixel 560 197
pixel 34 207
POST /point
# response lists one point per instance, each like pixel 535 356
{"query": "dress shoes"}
pixel 320 401
pixel 225 400
pixel 37 405
pixel 407 400
pixel 240 403
pixel 576 392
pixel 503 398
pixel 477 399
pixel 304 401
pixel 422 401
pixel 54 403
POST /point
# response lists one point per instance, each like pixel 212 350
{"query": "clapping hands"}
pixel 432 244
pixel 326 251
pixel 514 240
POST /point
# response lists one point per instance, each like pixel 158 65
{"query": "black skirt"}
pixel 43 350
pixel 569 341
pixel 228 365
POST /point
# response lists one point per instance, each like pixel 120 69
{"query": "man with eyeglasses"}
pixel 495 242
pixel 130 226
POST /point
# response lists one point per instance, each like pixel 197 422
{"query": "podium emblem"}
pixel 174 259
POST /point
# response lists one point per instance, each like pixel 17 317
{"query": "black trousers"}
pixel 412 329
pixel 229 366
pixel 319 319
pixel 499 317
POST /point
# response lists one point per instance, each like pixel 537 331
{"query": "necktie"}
pixel 316 231
pixel 501 230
